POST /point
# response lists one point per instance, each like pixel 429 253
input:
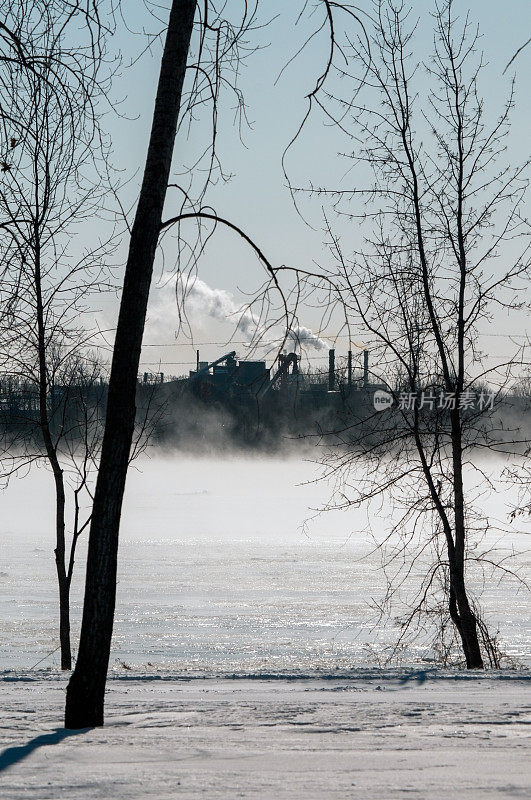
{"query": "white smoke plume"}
pixel 304 337
pixel 200 299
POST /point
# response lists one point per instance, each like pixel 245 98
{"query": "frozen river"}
pixel 217 574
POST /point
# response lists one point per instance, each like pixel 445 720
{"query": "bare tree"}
pixel 85 694
pixel 218 42
pixel 425 285
pixel 51 80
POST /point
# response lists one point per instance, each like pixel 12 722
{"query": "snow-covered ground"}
pixel 244 656
pixel 374 735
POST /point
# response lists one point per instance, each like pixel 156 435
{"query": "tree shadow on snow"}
pixel 12 755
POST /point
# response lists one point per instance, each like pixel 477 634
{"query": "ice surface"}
pixel 217 576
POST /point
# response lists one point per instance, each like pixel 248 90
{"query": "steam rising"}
pixel 202 300
pixel 304 337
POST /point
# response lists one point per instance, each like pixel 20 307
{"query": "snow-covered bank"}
pixel 375 734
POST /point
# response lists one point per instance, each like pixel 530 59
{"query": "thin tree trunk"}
pixel 464 620
pixel 86 689
pixel 51 454
pixel 460 611
pixel 64 622
pixel 62 579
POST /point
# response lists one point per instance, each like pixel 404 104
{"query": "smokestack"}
pixel 349 372
pixel 365 368
pixel 197 361
pixel 331 370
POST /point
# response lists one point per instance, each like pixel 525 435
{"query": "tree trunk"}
pixel 64 623
pixel 51 453
pixel 465 622
pixel 62 578
pixel 86 689
pixel 460 611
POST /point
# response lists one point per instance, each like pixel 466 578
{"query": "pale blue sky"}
pixel 256 198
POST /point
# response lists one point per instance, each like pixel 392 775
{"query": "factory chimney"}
pixel 331 370
pixel 365 368
pixel 349 370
